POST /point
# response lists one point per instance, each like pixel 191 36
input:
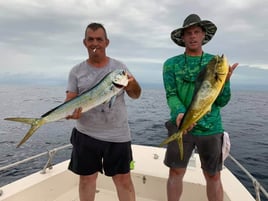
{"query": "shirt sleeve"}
pixel 173 101
pixel 72 85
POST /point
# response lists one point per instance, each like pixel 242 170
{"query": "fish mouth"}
pixel 118 85
pixel 120 80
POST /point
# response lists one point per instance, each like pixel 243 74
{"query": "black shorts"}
pixel 90 155
pixel 209 148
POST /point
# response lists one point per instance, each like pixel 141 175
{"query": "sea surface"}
pixel 245 118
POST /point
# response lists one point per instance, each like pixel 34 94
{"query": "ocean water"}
pixel 245 119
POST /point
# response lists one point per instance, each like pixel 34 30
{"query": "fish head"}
pixel 221 65
pixel 120 78
pixel 217 69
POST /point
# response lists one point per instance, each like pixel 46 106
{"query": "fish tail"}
pixel 174 136
pixel 34 122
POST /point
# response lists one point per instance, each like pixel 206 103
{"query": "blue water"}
pixel 245 118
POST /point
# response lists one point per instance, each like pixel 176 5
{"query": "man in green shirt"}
pixel 179 75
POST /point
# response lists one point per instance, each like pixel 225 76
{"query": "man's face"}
pixel 193 37
pixel 95 41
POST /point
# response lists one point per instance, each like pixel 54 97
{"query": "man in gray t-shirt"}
pixel 101 138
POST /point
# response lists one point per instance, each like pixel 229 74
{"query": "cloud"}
pixel 45 37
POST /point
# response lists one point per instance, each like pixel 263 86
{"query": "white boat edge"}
pixel 149 178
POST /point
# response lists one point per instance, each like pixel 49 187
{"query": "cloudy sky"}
pixel 42 40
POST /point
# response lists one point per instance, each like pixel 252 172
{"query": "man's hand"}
pixel 133 89
pixel 178 122
pixel 231 69
pixel 76 114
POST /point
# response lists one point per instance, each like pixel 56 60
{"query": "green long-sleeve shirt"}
pixel 179 75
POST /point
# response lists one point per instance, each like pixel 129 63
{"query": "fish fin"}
pixel 217 77
pixel 111 102
pixel 171 138
pixel 34 122
pixel 180 144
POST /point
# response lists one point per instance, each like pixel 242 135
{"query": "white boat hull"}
pixel 149 178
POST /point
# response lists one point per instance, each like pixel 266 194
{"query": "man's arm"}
pixel 133 88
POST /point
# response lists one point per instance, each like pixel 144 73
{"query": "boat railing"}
pixel 51 153
pixel 257 186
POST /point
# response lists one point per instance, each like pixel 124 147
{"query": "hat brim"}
pixel 210 28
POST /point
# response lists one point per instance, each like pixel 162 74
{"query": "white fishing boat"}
pixel 56 183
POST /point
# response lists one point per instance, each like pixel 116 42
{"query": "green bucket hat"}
pixel 191 20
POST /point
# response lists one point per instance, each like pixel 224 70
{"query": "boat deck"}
pixel 149 178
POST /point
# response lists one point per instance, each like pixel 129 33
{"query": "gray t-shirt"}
pixel 102 122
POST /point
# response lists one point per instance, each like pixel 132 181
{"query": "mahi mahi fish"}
pixel 103 92
pixel 209 84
